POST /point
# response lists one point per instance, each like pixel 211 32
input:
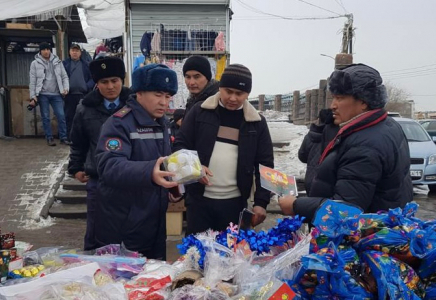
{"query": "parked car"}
pixel 394 114
pixel 422 153
pixel 430 126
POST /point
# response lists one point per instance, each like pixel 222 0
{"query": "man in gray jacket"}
pixel 48 84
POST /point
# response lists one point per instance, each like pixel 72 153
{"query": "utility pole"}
pixel 347 35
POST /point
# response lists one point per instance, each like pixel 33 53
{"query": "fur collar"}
pixel 250 113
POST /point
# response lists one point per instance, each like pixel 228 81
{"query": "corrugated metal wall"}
pixel 18 67
pixel 145 17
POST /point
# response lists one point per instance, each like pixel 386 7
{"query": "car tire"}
pixel 432 188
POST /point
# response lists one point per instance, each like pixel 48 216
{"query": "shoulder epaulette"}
pixel 122 112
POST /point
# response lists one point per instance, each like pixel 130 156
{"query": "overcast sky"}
pixel 397 37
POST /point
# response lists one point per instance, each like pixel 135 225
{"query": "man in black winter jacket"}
pixel 368 161
pixel 315 142
pixel 91 113
pixel 80 82
pixel 198 80
pixel 231 139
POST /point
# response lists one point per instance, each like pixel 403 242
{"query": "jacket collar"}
pixel 142 116
pixel 211 88
pixel 94 98
pixel 250 113
pixel 361 122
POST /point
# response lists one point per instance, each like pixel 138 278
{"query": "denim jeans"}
pixel 57 103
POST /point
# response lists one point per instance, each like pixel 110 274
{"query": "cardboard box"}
pixel 176 207
pixel 19 26
pixel 174 223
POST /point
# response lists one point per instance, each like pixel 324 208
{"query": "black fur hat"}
pixel 362 82
pixel 106 67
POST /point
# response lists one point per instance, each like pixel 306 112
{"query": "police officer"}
pixel 91 113
pixel 133 198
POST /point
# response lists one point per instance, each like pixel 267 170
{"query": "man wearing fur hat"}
pixel 48 84
pixel 91 113
pixel 198 80
pixel 133 196
pixel 367 163
pixel 231 139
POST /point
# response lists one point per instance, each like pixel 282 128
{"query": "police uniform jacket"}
pixel 131 207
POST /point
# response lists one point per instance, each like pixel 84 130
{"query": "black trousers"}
pixel 216 214
pixel 71 102
pixel 91 205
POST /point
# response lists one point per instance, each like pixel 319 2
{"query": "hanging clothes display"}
pixel 155 41
pixel 220 66
pixel 220 44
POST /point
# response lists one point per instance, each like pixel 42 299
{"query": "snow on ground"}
pixel 272 115
pixel 35 201
pixel 286 158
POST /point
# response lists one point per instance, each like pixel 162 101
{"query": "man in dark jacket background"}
pixel 314 143
pixel 92 112
pixel 231 139
pixel 80 82
pixel 133 196
pixel 368 161
pixel 198 80
pixel 176 122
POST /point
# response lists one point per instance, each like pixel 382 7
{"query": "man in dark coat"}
pixel 368 161
pixel 231 139
pixel 80 82
pixel 314 143
pixel 133 198
pixel 176 122
pixel 198 80
pixel 92 112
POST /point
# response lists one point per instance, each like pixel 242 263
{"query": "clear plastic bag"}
pixel 251 278
pixel 190 292
pixel 83 291
pixel 186 165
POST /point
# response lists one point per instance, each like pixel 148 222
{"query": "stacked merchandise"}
pixel 348 255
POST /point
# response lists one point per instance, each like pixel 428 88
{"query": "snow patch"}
pixel 272 115
pixel 286 158
pixel 32 224
pixel 35 201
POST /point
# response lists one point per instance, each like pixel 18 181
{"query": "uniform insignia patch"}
pixel 113 144
pixel 103 66
pixel 122 112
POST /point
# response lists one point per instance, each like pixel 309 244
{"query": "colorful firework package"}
pixel 353 255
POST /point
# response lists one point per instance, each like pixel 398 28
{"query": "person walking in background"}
pixel 80 82
pixel 198 80
pixel 48 84
pixel 314 143
pixel 92 112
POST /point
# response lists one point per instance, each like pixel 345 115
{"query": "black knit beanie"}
pixel 238 77
pixel 44 45
pixel 199 64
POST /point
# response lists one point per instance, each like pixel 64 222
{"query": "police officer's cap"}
pixel 154 77
pixel 105 67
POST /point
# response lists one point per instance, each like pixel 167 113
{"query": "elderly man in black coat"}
pixel 368 161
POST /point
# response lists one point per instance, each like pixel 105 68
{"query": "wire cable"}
pixel 256 10
pixel 308 3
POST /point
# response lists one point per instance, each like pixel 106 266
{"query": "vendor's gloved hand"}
pixel 287 204
pixel 158 175
pixel 205 180
pixel 259 215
